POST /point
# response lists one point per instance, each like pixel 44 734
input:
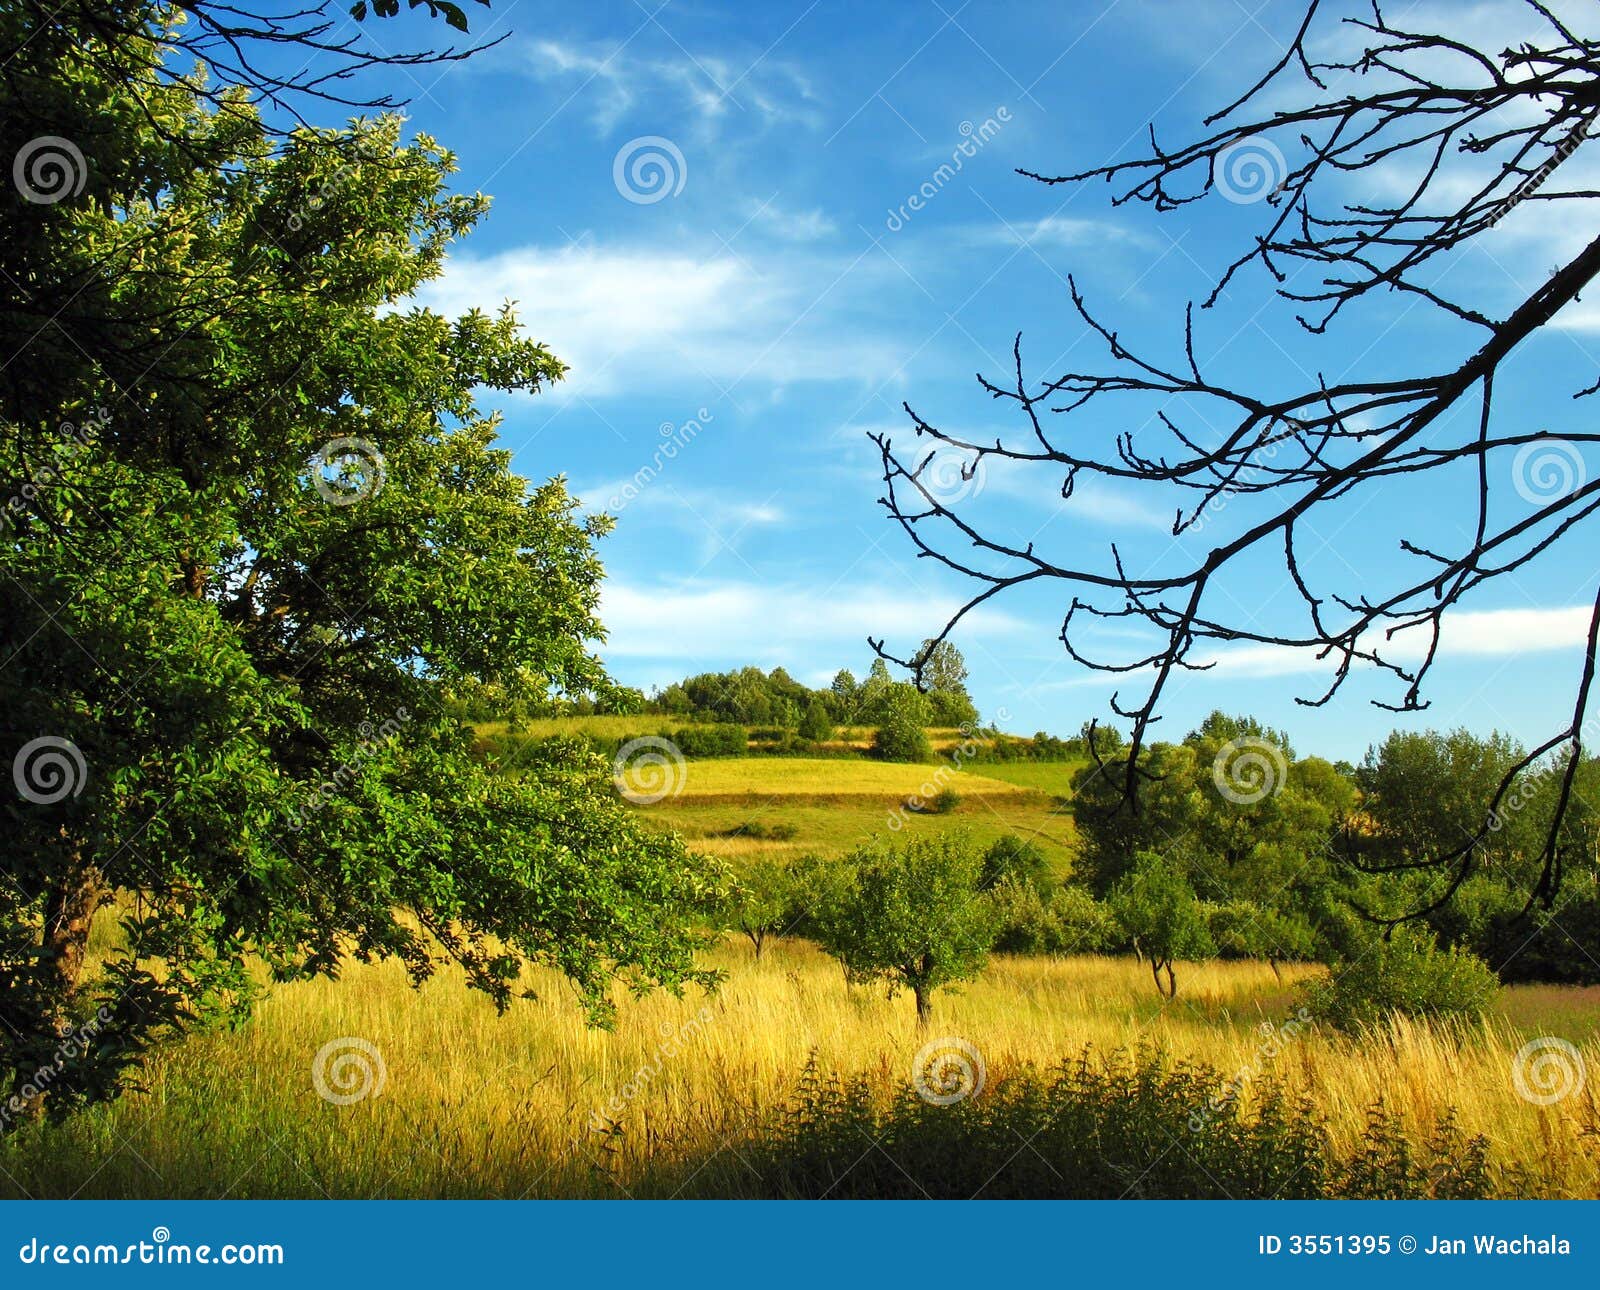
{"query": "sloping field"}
pixel 791 806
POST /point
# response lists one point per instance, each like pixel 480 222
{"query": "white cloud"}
pixel 626 318
pixel 768 624
pixel 1486 633
pixel 791 226
pixel 613 81
pixel 1061 230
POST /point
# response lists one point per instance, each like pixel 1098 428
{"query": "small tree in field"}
pixel 910 915
pixel 1159 910
pixel 762 901
pixel 816 725
pixel 901 734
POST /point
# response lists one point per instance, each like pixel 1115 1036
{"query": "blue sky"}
pixel 778 299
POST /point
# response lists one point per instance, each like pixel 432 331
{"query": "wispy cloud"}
pixel 791 226
pixel 626 318
pixel 613 82
pixel 769 624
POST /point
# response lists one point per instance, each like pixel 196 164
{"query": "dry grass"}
pixel 480 1105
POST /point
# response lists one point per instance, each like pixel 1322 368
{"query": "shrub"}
pixel 901 734
pixel 816 725
pixel 1122 1127
pixel 1011 856
pixel 1408 974
pixel 1069 921
pixel 712 741
pixel 780 832
pixel 1241 929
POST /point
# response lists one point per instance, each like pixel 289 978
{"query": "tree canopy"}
pixel 259 534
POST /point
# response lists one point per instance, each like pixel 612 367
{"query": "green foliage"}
pixel 1101 1130
pixel 902 735
pixel 1157 908
pixel 1244 929
pixel 761 901
pixel 258 647
pixel 909 914
pixel 816 725
pixel 711 741
pixel 1016 858
pixel 1066 921
pixel 1407 974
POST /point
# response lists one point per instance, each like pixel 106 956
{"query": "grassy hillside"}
pixel 535 1104
pixel 832 804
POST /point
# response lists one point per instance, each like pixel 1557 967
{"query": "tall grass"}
pixel 680 1095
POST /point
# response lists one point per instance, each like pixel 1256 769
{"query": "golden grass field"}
pixel 475 1104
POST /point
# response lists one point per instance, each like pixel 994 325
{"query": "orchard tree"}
pixel 1362 166
pixel 1157 908
pixel 762 899
pixel 259 539
pixel 911 914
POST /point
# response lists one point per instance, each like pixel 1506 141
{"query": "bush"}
pixel 1011 856
pixel 1070 921
pixel 712 741
pixel 1241 929
pixel 779 832
pixel 816 725
pixel 1408 974
pixel 901 734
pixel 1099 1130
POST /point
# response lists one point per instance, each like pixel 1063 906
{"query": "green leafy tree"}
pixel 762 900
pixel 909 914
pixel 1157 908
pixel 843 696
pixel 943 678
pixel 816 725
pixel 1012 857
pixel 902 730
pixel 246 601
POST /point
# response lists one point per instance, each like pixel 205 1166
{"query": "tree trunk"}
pixel 69 914
pixel 924 1005
pixel 69 911
pixel 1157 966
pixel 1276 971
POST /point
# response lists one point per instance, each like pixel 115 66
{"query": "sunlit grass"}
pixel 480 1105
